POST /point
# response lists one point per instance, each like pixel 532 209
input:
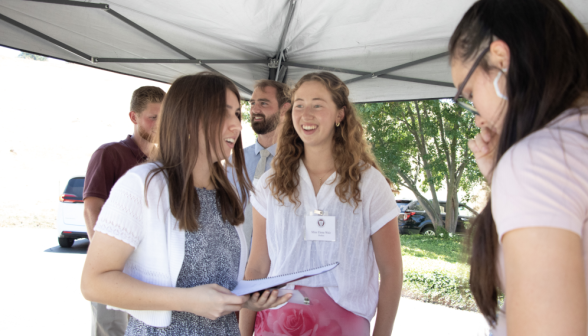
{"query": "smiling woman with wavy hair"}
pixel 324 166
pixel 351 151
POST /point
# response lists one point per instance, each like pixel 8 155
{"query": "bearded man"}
pixel 108 163
pixel 269 103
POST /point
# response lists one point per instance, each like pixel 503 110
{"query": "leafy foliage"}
pixel 246 111
pixel 435 270
pixel 32 56
pixel 422 145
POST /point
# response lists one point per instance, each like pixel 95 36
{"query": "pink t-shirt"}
pixel 542 181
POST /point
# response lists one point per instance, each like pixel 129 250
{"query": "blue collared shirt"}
pixel 252 158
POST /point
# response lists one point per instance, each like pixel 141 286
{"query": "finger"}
pixel 486 134
pixel 231 308
pixel 244 298
pixel 473 146
pixel 255 297
pixel 220 289
pixel 233 299
pixel 272 298
pixel 482 146
pixel 282 300
pixel 263 299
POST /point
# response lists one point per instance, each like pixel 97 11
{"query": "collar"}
pixel 271 149
pixel 132 145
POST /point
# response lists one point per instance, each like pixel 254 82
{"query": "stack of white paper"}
pixel 250 286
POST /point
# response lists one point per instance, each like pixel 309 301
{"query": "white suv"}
pixel 70 214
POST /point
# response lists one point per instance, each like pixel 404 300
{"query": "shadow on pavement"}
pixel 80 246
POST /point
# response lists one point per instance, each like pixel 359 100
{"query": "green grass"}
pixel 435 270
pixel 446 249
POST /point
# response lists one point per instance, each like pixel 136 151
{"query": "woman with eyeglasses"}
pixel 524 66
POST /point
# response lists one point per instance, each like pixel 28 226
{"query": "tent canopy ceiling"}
pixel 384 49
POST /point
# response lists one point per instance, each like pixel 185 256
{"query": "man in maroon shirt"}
pixel 108 163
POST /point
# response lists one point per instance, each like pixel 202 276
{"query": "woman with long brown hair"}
pixel 168 246
pixel 325 200
pixel 524 65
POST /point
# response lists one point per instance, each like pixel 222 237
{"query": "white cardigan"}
pixel 153 231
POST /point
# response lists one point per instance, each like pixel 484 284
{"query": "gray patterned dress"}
pixel 212 255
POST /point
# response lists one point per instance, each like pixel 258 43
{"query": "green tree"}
pixel 422 145
pixel 32 56
pixel 246 111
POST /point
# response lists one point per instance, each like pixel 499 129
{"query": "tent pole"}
pixel 46 38
pixel 148 33
pixel 169 45
pixel 368 74
pixel 74 3
pixel 106 7
pixel 171 60
pixel 280 51
pixel 398 67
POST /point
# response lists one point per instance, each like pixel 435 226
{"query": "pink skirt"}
pixel 323 317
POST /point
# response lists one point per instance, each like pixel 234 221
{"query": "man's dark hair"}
pixel 145 95
pixel 282 90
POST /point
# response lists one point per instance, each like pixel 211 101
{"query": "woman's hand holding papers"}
pixel 265 301
pixel 212 301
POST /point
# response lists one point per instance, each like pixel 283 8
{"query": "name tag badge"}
pixel 320 228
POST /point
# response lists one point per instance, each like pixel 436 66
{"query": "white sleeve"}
pixel 121 216
pixel 379 203
pixel 262 195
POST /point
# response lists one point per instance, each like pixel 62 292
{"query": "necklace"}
pixel 321 178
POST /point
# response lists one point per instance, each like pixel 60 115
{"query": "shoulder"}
pixel 373 175
pixel 263 180
pixel 111 150
pixel 112 146
pixel 143 169
pixel 107 148
pixel 558 148
pixel 542 180
pixel 250 150
pixel 141 173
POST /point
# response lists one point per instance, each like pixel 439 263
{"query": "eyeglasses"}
pixel 462 85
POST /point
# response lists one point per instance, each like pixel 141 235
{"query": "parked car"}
pixel 403 204
pixel 415 220
pixel 70 213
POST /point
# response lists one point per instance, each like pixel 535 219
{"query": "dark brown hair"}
pixel 351 151
pixel 145 95
pixel 193 104
pixel 548 71
pixel 282 90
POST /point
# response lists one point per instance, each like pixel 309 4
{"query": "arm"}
pixel 258 267
pixel 103 281
pixel 386 243
pixel 92 208
pixel 545 282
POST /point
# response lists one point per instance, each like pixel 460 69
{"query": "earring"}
pixel 188 136
pixel 337 124
pixel 496 88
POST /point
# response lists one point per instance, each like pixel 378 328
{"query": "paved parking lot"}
pixel 40 295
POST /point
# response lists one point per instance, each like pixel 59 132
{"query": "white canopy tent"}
pixel 384 49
